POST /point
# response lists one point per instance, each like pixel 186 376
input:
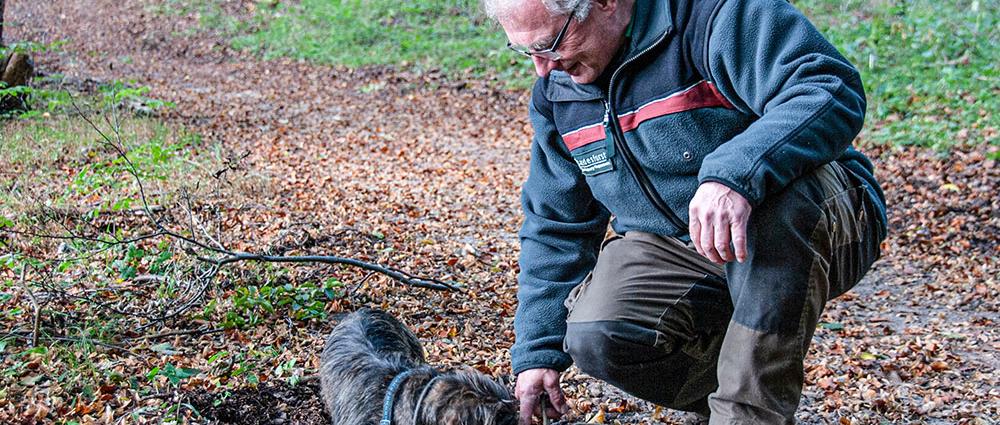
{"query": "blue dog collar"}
pixel 390 396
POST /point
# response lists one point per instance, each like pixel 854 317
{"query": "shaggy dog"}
pixel 369 348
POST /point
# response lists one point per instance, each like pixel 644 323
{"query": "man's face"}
pixel 586 48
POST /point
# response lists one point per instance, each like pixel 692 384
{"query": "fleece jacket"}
pixel 746 93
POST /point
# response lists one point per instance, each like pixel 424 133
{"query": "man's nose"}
pixel 544 66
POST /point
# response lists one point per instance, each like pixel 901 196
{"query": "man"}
pixel 717 133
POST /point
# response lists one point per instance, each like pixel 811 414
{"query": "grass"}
pixel 53 152
pixel 929 67
pixel 450 35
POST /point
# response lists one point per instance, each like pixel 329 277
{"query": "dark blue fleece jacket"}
pixel 742 92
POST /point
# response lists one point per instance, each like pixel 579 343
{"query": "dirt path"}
pixel 436 167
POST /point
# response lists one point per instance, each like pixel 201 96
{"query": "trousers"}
pixel 667 325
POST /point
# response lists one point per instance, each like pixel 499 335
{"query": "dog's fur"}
pixel 369 348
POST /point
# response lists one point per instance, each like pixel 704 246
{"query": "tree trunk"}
pixel 1 23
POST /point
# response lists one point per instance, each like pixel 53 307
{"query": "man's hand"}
pixel 531 384
pixel 718 217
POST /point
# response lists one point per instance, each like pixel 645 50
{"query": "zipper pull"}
pixel 609 135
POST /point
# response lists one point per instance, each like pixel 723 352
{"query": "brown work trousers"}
pixel 665 324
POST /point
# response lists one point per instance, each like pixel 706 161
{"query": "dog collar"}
pixel 423 393
pixel 390 396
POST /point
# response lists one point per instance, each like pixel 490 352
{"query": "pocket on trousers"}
pixel 574 295
pixel 853 237
pixel 847 216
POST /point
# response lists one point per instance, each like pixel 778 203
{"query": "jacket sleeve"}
pixel 560 238
pixel 769 60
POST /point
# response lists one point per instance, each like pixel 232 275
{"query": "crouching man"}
pixel 717 133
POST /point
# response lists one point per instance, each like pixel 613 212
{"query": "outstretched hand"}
pixel 531 384
pixel 718 223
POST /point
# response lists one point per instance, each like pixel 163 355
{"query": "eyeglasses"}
pixel 548 53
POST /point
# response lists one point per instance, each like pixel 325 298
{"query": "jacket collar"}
pixel 651 19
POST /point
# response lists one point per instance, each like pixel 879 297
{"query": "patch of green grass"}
pixel 52 150
pixel 929 68
pixel 450 35
pixel 64 157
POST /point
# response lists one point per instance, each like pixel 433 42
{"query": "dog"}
pixel 372 370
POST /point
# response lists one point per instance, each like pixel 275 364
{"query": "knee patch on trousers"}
pixel 628 356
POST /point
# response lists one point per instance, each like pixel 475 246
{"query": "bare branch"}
pixel 396 274
pixel 77 340
pixel 191 332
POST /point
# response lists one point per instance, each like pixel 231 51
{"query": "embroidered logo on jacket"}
pixel 593 159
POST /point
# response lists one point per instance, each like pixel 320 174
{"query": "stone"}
pixel 18 70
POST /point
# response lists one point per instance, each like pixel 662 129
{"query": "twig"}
pixel 76 237
pixel 192 332
pixel 83 340
pixel 361 282
pixel 232 257
pixel 196 223
pixel 397 274
pixel 36 316
pixel 205 280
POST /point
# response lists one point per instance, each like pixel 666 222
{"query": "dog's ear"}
pixel 453 417
pixel 467 397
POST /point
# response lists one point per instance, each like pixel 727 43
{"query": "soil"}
pixel 268 404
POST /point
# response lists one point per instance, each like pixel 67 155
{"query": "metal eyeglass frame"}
pixel 549 53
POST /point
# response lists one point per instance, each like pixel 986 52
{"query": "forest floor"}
pixel 422 172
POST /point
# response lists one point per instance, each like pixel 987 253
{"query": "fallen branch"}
pixel 75 340
pixel 191 332
pixel 396 274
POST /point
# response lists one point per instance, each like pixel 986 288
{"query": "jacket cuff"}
pixel 753 200
pixel 546 359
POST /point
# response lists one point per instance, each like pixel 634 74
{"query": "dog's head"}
pixel 468 398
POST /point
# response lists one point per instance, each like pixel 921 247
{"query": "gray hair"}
pixel 501 9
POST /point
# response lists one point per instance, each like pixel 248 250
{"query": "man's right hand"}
pixel 531 384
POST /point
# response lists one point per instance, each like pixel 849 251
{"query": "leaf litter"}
pixel 414 171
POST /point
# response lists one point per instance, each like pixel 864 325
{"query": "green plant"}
pixel 120 93
pixel 173 373
pixel 288 369
pixel 32 47
pixel 252 304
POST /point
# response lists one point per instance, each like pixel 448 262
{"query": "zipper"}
pixel 614 128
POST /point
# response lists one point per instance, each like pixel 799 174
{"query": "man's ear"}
pixel 606 6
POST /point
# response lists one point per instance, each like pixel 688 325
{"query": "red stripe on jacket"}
pixel 704 94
